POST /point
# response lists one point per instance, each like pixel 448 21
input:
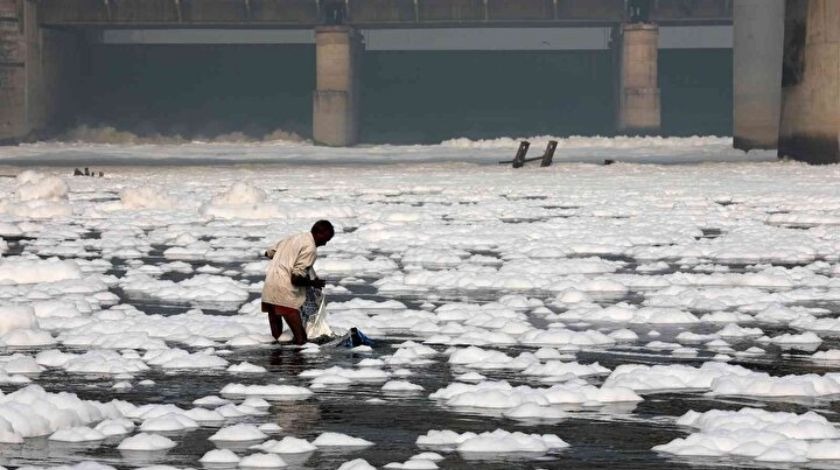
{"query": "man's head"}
pixel 322 232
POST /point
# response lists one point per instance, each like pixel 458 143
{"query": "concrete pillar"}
pixel 810 125
pixel 13 58
pixel 757 72
pixel 638 87
pixel 336 101
pixel 39 72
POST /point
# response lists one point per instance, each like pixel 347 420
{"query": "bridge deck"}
pixel 369 13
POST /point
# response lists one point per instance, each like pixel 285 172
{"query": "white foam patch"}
pixel 832 355
pixel 181 359
pixel 200 288
pixel 644 378
pixel 401 386
pixel 262 461
pixel 77 434
pixel 334 439
pixel 101 362
pixel 246 368
pixel 219 456
pixel 238 432
pixel 764 385
pixel 115 427
pixel 495 442
pixel 322 378
pixel 32 412
pixel 757 435
pixel 171 422
pixel 356 464
pixel 287 445
pixel 20 270
pixel 37 196
pixel 144 442
pixel 563 337
pixel 269 392
pixel 501 395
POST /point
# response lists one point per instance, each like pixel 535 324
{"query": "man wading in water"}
pixel 288 277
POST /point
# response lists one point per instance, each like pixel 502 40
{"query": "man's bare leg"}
pixel 275 321
pixel 295 322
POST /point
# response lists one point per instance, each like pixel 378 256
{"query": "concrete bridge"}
pixel 373 13
pixel 42 43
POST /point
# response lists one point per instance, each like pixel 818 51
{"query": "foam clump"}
pixel 756 434
pixel 144 442
pixel 832 355
pixel 240 193
pixel 103 362
pixel 240 200
pixel 270 428
pixel 238 432
pixel 246 368
pixel 115 427
pixel 77 434
pixel 16 317
pixel 334 439
pixel 168 423
pixel 563 336
pixel 269 392
pixel 344 376
pixel 146 197
pixel 199 288
pixel 210 401
pixel 204 416
pixel 262 461
pixel 357 464
pixel 765 385
pixel 19 325
pixel 504 442
pixel 401 386
pixel 20 270
pixel 37 196
pixel 502 395
pixel 288 445
pixel 413 464
pixel 644 378
pixel 27 338
pixel 495 442
pixel 32 412
pixel 534 412
pixel 219 456
pixel 181 359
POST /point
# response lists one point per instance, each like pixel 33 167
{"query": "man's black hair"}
pixel 323 226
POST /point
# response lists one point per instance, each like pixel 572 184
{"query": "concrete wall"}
pixel 757 72
pixel 810 124
pixel 39 72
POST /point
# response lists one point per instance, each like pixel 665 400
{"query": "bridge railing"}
pixel 366 13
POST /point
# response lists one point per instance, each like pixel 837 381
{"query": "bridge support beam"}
pixel 810 125
pixel 39 70
pixel 757 72
pixel 338 52
pixel 638 87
